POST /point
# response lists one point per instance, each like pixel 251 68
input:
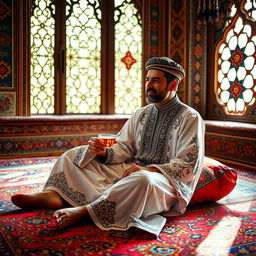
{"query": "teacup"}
pixel 108 140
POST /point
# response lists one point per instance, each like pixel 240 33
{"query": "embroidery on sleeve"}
pixel 79 154
pixel 110 155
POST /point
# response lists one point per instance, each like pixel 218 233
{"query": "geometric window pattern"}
pixel 128 57
pixel 83 66
pixel 235 87
pixel 42 57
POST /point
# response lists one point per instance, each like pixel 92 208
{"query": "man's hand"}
pixel 96 147
pixel 137 168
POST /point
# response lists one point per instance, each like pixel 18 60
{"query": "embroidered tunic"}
pixel 170 138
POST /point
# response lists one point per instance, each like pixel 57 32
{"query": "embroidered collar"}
pixel 169 105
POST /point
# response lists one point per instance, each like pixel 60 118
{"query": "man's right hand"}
pixel 96 147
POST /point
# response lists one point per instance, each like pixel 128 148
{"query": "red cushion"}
pixel 216 181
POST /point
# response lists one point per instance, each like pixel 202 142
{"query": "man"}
pixel 150 172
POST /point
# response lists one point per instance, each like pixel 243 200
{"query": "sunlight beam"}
pixel 221 238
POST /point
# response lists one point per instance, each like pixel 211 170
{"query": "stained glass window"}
pixel 42 61
pixel 235 86
pixel 128 59
pixel 84 89
pixel 83 33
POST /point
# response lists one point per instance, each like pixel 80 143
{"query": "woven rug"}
pixel 227 227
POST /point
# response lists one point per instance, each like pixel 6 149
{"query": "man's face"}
pixel 156 87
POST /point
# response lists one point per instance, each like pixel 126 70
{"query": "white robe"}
pixel 170 138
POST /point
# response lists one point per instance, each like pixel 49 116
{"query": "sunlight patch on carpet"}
pixel 242 207
pixel 221 238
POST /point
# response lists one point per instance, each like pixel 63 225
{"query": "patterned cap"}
pixel 166 64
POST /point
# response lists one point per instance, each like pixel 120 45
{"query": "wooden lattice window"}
pixel 235 61
pixel 86 57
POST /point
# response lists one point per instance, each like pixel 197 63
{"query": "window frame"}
pixel 213 76
pixel 107 56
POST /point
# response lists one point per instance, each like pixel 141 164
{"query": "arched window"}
pixel 86 57
pixel 235 61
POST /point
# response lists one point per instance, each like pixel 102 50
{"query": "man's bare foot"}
pixel 69 216
pixel 46 199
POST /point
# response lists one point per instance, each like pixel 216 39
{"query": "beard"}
pixel 158 97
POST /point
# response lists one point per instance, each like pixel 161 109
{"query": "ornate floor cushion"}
pixel 216 181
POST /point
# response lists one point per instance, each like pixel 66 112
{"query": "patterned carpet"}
pixel 224 228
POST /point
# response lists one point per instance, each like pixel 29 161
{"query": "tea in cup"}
pixel 108 140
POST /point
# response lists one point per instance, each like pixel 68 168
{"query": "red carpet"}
pixel 223 228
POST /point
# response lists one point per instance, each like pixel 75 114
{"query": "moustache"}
pixel 152 90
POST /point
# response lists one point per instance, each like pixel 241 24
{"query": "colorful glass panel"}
pixel 83 65
pixel 42 61
pixel 128 57
pixel 236 66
